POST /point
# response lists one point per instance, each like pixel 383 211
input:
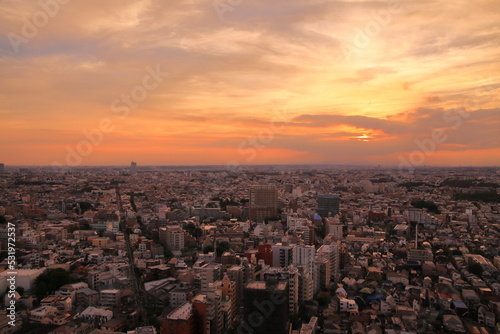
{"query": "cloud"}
pixel 228 77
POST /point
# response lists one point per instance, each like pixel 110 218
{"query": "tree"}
pixel 208 249
pixel 168 254
pixel 86 206
pixel 456 252
pixel 193 230
pixel 476 269
pixel 222 247
pixel 323 299
pixel 50 281
pixel 430 206
pixel 20 290
pixel 3 220
pixel 41 290
pixel 295 321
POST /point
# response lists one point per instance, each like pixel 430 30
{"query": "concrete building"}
pixel 321 274
pixel 238 276
pixel 110 297
pixel 291 276
pixel 95 315
pixel 304 256
pixel 282 255
pixel 228 301
pixel 422 255
pixel 311 327
pixel 328 205
pixel 24 278
pixel 210 273
pixel 332 253
pixel 209 317
pixel 263 202
pixel 172 237
pixel 306 285
pixel 179 321
pixel 266 308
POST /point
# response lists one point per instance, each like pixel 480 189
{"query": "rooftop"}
pixel 183 312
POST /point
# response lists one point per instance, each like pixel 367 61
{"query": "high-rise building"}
pixel 210 273
pixel 2 168
pixel 172 237
pixel 179 321
pixel 282 255
pixel 328 205
pixel 209 318
pixel 321 274
pixel 263 202
pixel 266 308
pixel 304 256
pixel 228 301
pixel 133 166
pixel 306 284
pixel 291 276
pixel 334 227
pixel 332 253
pixel 237 275
pixel 306 233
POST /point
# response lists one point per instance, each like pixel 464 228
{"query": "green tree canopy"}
pixel 476 269
pixel 208 249
pixel 222 247
pixel 50 281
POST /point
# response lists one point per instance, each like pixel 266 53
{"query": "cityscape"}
pixel 263 249
pixel 250 167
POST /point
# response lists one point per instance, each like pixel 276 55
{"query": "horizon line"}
pixel 256 165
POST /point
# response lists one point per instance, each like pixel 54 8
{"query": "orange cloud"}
pixel 270 67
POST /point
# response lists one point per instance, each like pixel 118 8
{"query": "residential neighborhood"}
pixel 274 249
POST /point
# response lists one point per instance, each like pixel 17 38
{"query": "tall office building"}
pixel 2 168
pixel 133 166
pixel 266 308
pixel 328 205
pixel 282 255
pixel 263 202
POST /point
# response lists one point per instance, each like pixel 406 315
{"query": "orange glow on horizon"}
pixel 172 83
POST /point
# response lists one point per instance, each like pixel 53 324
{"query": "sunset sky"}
pixel 249 82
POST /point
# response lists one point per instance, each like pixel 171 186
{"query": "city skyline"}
pixel 249 83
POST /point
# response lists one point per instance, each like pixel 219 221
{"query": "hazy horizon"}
pixel 326 165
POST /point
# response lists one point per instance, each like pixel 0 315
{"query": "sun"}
pixel 365 138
